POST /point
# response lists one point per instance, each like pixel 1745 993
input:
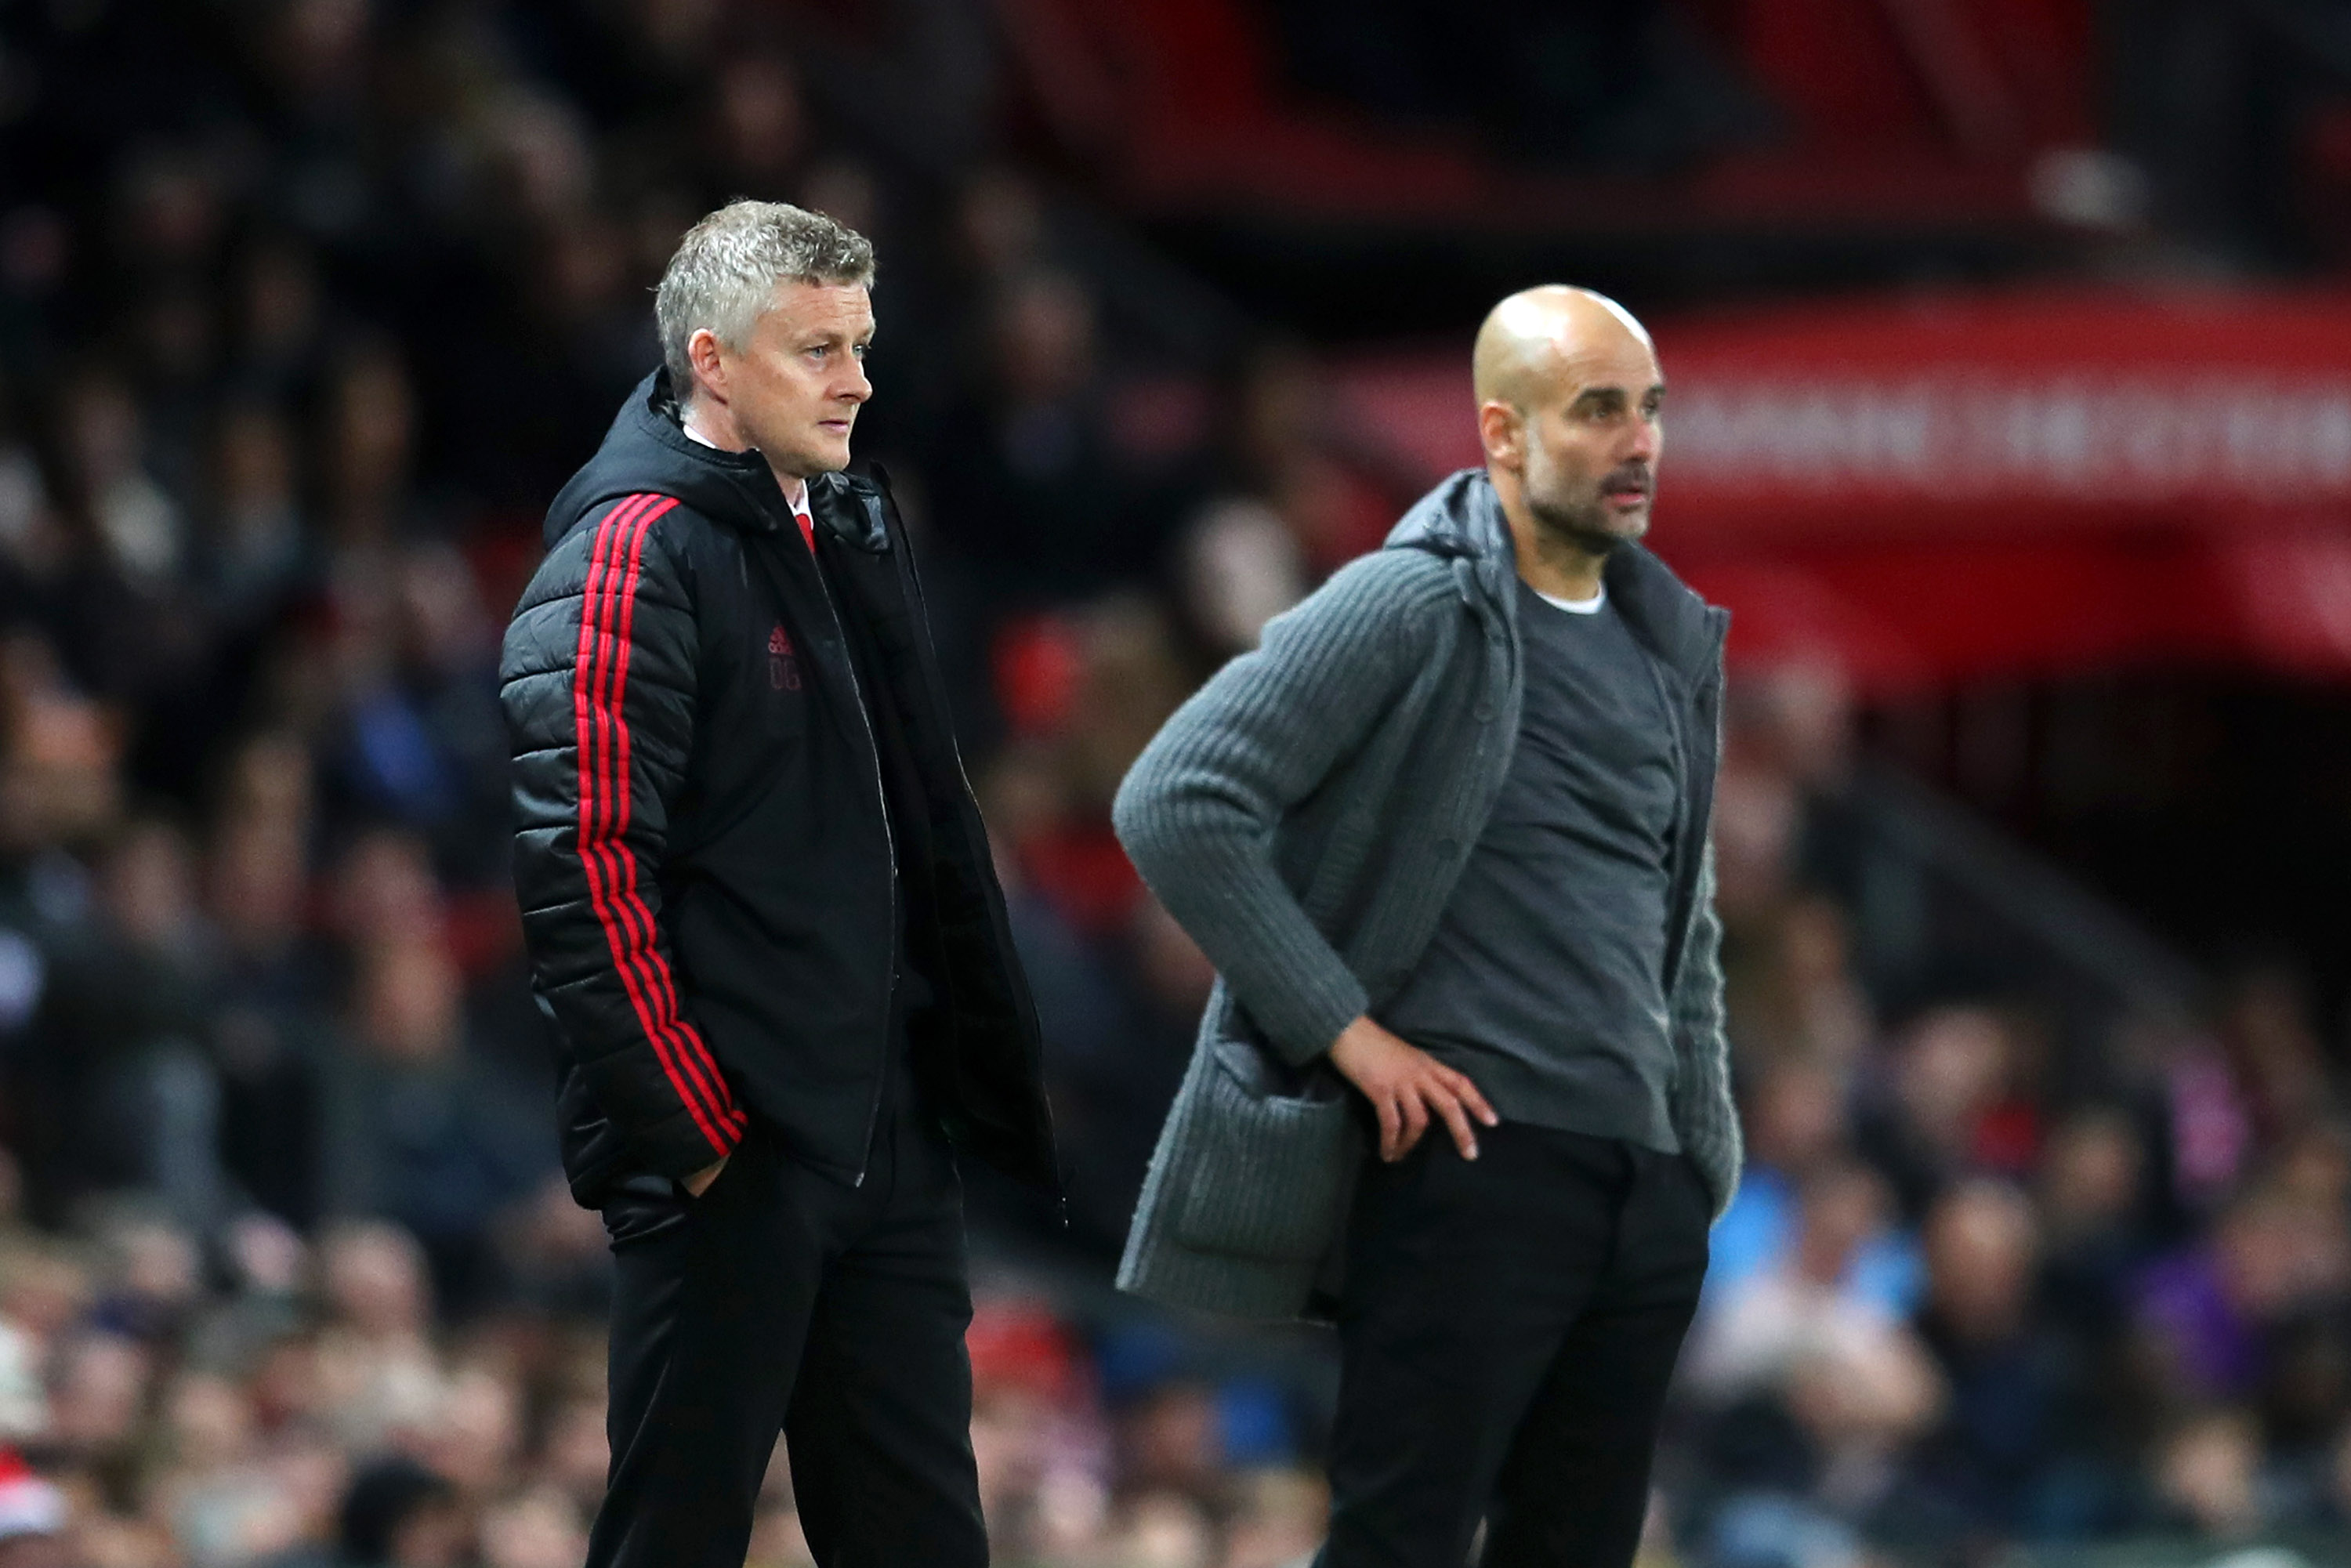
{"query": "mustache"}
pixel 1633 476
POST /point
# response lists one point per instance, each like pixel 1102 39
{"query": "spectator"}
pixel 1929 1120
pixel 1241 568
pixel 122 1028
pixel 2093 1203
pixel 400 1515
pixel 417 1129
pixel 1801 1314
pixel 376 1371
pixel 1042 479
pixel 2208 1473
pixel 1795 1129
pixel 257 544
pixel 2014 1409
pixel 2208 1310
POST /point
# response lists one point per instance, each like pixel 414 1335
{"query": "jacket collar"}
pixel 648 449
pixel 1461 519
pixel 851 507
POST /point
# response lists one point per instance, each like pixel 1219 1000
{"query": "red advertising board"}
pixel 1942 490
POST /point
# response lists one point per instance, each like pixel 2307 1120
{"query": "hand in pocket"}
pixel 699 1182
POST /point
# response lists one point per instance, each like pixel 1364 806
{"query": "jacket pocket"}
pixel 1272 1172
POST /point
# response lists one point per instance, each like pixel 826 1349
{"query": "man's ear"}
pixel 703 353
pixel 1501 429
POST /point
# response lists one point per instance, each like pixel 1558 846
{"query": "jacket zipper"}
pixel 890 839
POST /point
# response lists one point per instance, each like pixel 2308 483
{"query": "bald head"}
pixel 1533 341
pixel 1569 396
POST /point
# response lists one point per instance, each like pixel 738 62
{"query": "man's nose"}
pixel 855 387
pixel 1643 447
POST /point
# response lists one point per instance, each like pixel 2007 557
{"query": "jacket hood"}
pixel 647 449
pixel 1461 520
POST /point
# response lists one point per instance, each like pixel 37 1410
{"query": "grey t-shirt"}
pixel 1545 981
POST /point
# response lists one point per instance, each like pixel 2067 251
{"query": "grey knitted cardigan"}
pixel 1304 817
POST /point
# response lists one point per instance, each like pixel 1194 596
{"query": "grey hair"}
pixel 726 270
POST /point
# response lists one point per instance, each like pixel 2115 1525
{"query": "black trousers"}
pixel 1507 1329
pixel 785 1299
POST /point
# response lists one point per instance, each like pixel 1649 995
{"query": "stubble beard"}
pixel 1582 528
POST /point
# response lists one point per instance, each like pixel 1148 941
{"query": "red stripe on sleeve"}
pixel 595 718
pixel 687 1041
pixel 683 1058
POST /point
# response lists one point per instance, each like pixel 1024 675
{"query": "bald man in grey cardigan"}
pixel 1463 1083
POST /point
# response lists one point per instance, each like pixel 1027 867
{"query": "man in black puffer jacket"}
pixel 764 924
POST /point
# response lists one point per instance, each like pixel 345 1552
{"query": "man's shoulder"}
pixel 646 530
pixel 1389 606
pixel 1392 583
pixel 637 519
pixel 645 545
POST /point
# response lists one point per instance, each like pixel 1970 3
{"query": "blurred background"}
pixel 2010 343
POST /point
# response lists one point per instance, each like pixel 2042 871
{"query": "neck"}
pixel 1547 563
pixel 714 424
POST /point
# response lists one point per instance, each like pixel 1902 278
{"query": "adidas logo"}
pixel 779 643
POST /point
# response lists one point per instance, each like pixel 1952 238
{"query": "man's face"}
pixel 794 387
pixel 1591 447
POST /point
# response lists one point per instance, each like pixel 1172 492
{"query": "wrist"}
pixel 1346 1050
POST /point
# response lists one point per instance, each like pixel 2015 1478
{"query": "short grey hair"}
pixel 726 270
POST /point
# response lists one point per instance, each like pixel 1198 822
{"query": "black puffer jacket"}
pixel 708 878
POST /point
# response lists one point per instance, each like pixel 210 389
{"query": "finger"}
pixel 1456 1117
pixel 1415 1121
pixel 1467 1093
pixel 1388 1125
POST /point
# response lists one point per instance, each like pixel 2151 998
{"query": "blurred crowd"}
pixel 308 306
pixel 1993 1278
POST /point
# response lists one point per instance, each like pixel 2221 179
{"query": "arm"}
pixel 1198 810
pixel 597 682
pixel 1704 1116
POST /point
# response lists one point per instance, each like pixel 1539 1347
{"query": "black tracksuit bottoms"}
pixel 1506 1331
pixel 783 1298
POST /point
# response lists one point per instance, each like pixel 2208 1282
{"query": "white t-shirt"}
pixel 1592 606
